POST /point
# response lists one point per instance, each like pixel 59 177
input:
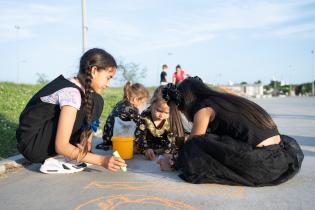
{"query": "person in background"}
pixel 179 75
pixel 163 76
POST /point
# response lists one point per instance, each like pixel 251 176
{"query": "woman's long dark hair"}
pixel 194 91
pixel 103 61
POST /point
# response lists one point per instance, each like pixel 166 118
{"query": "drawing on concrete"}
pixel 177 187
pixel 125 201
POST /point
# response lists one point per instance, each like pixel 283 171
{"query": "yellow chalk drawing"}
pixel 176 187
pixel 122 201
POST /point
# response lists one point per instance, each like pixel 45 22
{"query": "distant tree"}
pixel 258 82
pixel 130 72
pixel 42 78
pixel 243 83
pixel 275 84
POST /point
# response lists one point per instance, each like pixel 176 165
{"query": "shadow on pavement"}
pixel 307 144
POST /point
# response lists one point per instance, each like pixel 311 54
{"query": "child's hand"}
pixel 113 163
pixel 149 153
pixel 166 163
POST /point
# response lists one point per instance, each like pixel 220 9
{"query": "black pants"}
pixel 224 160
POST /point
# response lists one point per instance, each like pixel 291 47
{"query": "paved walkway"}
pixel 144 186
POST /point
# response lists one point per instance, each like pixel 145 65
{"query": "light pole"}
pixel 84 27
pixel 290 83
pixel 17 28
pixel 313 90
pixel 216 79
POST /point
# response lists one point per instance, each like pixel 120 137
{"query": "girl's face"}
pixel 160 111
pixel 101 78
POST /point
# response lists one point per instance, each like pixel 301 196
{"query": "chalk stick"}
pixel 116 154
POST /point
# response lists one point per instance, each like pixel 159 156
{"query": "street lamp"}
pixel 290 83
pixel 84 27
pixel 216 79
pixel 17 28
pixel 313 90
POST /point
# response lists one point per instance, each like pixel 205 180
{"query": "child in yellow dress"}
pixel 153 136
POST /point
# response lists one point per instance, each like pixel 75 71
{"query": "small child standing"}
pixel 135 97
pixel 153 136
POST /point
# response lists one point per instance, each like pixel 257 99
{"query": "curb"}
pixel 11 163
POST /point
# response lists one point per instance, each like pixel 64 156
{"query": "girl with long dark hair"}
pixel 232 141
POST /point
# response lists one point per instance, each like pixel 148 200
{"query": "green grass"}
pixel 13 98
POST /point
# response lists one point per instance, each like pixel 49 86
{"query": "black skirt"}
pixel 224 160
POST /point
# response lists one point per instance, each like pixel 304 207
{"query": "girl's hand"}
pixel 166 163
pixel 113 163
pixel 149 153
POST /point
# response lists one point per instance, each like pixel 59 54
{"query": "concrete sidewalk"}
pixel 144 186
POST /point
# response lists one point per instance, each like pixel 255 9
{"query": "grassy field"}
pixel 13 98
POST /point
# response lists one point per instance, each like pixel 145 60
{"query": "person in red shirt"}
pixel 179 75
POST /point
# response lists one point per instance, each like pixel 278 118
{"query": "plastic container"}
pixel 124 145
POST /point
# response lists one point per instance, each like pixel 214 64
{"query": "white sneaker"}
pixel 59 165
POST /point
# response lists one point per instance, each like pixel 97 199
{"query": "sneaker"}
pixel 59 165
pixel 78 163
pixel 104 146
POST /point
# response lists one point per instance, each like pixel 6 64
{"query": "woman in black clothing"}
pixel 233 140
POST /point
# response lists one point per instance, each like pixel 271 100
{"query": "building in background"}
pixel 249 90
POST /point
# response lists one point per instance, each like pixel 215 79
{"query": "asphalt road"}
pixel 144 186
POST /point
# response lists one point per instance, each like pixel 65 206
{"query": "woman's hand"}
pixel 113 163
pixel 149 153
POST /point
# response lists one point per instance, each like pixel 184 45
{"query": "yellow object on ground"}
pixel 123 145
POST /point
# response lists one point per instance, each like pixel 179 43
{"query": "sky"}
pixel 220 41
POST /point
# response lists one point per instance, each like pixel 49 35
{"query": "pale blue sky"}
pixel 221 41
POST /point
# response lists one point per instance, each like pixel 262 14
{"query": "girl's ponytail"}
pixel 88 105
pixel 102 60
pixel 176 120
pixel 173 98
pixel 126 89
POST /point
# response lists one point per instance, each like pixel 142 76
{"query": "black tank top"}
pixel 36 113
pixel 236 126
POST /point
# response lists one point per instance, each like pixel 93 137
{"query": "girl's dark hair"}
pixel 174 98
pixel 193 91
pixel 135 90
pixel 157 96
pixel 103 61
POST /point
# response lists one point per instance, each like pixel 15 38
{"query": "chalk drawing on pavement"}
pixel 139 201
pixel 176 187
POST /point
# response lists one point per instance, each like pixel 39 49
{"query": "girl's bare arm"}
pixel 62 146
pixel 202 118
